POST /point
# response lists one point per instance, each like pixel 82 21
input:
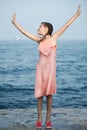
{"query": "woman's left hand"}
pixel 79 11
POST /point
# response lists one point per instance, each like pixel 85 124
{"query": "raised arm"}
pixel 23 31
pixel 69 22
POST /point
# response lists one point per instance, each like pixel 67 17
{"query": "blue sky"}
pixel 30 13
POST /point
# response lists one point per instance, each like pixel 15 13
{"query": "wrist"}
pixel 78 13
pixel 13 21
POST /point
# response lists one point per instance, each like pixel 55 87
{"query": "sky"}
pixel 30 13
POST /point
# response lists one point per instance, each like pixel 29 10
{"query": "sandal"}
pixel 48 125
pixel 38 124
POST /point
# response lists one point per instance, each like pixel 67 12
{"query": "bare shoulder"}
pixel 39 39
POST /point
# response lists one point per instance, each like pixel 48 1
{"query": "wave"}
pixel 17 70
pixel 13 88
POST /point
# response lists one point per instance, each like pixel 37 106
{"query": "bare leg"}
pixel 39 107
pixel 49 107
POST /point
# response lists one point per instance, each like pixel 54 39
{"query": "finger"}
pixel 14 14
pixel 79 6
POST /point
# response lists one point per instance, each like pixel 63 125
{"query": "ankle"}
pixel 39 117
pixel 39 120
pixel 48 121
pixel 48 118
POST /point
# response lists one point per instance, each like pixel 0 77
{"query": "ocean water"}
pixel 18 61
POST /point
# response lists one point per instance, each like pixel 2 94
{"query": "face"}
pixel 42 30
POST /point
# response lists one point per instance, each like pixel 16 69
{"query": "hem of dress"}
pixel 45 95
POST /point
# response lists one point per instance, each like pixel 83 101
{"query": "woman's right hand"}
pixel 13 18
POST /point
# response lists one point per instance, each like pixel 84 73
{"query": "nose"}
pixel 38 29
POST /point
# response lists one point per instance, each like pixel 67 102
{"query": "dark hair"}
pixel 50 27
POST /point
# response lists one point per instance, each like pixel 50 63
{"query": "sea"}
pixel 18 60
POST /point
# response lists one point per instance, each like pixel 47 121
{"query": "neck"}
pixel 46 36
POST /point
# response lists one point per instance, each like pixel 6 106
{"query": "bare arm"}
pixel 69 22
pixel 23 31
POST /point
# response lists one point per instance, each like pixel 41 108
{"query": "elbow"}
pixel 23 32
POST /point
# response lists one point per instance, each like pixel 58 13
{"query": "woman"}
pixel 45 84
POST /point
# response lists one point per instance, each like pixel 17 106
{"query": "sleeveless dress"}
pixel 45 82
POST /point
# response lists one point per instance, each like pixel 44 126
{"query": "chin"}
pixel 40 34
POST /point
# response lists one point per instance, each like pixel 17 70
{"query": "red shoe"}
pixel 38 124
pixel 48 125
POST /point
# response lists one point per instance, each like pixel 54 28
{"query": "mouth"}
pixel 38 31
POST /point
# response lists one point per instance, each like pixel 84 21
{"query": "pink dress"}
pixel 45 83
